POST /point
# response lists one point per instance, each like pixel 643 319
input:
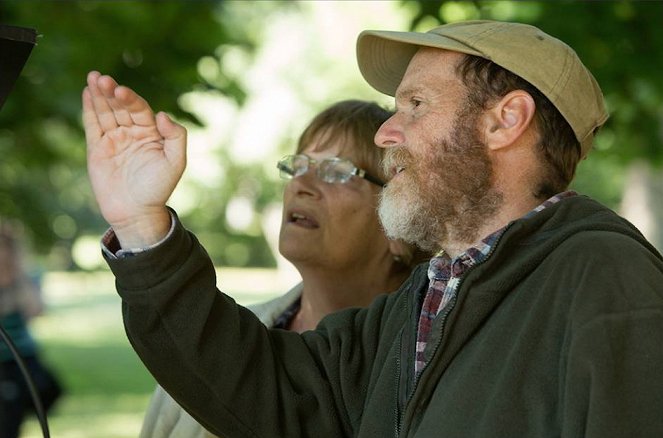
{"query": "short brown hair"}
pixel 357 121
pixel 558 147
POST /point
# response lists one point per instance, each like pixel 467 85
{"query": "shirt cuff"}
pixel 112 249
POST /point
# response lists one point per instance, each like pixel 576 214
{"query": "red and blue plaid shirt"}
pixel 445 273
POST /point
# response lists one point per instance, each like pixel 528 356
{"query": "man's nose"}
pixel 390 133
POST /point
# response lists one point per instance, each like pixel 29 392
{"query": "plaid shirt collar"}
pixel 442 266
pixel 444 276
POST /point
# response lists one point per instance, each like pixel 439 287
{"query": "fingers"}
pixel 174 139
pixel 110 88
pixel 102 108
pixel 135 106
pixel 170 130
pixel 116 105
pixel 90 122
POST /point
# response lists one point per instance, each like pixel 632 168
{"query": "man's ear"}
pixel 509 119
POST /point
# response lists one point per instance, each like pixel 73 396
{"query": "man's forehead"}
pixel 429 59
pixel 427 87
pixel 429 68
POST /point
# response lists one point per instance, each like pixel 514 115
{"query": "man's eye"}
pixel 415 102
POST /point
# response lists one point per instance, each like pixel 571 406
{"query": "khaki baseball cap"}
pixel 545 62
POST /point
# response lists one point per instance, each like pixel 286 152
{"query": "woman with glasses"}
pixel 329 231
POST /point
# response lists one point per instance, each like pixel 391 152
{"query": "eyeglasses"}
pixel 330 170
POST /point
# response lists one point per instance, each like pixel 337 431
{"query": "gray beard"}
pixel 449 205
pixel 409 219
pixel 433 221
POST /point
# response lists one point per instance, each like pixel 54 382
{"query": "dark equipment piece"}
pixel 16 43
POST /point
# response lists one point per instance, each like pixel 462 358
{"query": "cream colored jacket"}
pixel 166 419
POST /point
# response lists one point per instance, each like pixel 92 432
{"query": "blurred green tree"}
pixel 154 46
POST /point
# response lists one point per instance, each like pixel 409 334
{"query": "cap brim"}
pixel 383 56
pixel 16 43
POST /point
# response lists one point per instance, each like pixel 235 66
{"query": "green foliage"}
pixel 154 46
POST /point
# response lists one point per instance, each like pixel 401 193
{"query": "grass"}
pixel 107 388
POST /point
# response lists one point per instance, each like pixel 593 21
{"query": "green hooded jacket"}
pixel 559 333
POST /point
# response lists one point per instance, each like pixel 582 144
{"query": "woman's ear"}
pixel 509 119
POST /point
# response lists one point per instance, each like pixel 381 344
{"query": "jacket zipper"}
pixel 451 306
pixel 397 415
pixel 399 364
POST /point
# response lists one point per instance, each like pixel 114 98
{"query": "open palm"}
pixel 135 158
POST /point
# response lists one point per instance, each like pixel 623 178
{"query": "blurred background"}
pixel 245 77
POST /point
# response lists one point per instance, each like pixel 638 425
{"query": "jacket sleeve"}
pixel 165 418
pixel 220 363
pixel 614 380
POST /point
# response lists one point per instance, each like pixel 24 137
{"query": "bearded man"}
pixel 540 316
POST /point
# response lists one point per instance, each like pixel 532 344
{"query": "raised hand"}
pixel 135 160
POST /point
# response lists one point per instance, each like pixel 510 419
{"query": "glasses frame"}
pixel 288 173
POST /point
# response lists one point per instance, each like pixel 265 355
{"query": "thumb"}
pixel 174 136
